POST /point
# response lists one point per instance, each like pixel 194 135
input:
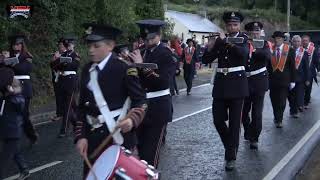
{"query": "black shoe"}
pixel 33 138
pixel 188 93
pixel 278 125
pixel 295 115
pixel 253 145
pixel 177 92
pixel 300 109
pixel 246 136
pixel 24 175
pixel 229 165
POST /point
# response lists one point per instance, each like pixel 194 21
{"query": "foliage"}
pixel 52 19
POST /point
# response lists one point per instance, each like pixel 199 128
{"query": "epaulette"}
pixel 132 71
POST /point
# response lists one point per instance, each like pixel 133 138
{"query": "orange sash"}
pixel 299 56
pixel 187 55
pixel 279 64
pixel 310 51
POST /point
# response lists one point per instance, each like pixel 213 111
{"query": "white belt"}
pixel 158 93
pixel 258 71
pixel 98 121
pixel 22 77
pixel 225 71
pixel 67 73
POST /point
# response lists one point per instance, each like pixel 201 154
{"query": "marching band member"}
pixel 156 83
pixel 55 75
pixel 67 82
pixel 12 104
pixel 230 83
pixel 22 71
pixel 258 81
pixel 107 86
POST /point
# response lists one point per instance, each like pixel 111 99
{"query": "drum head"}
pixel 105 164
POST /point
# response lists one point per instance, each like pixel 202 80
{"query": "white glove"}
pixel 292 85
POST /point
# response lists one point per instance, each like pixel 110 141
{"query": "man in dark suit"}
pixel 189 60
pixel 230 83
pixel 282 75
pixel 314 65
pixel 157 84
pixel 67 82
pixel 258 80
pixel 296 95
pixel 107 84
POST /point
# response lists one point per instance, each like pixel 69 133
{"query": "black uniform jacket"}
pixel 117 81
pixel 234 84
pixel 260 58
pixel 11 120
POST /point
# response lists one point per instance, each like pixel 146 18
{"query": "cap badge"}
pixel 232 14
pixel 89 30
pixel 255 24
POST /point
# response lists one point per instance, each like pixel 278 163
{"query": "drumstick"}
pixel 103 144
pixel 86 160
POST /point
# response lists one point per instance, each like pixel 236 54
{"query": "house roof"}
pixel 194 22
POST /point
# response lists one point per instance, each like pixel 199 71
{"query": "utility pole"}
pixel 275 5
pixel 288 16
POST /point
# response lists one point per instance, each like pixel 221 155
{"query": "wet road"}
pixel 193 149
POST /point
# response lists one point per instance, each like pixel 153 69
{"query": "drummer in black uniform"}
pixel 258 80
pixel 230 83
pixel 116 82
pixel 62 44
pixel 157 84
pixel 22 72
pixel 67 82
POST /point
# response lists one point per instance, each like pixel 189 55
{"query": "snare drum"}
pixel 116 161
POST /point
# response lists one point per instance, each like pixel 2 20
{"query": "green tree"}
pixel 150 9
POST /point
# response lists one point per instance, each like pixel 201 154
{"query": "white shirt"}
pixel 102 64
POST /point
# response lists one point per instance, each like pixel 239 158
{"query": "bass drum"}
pixel 118 163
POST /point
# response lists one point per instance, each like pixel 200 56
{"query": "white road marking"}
pixel 286 159
pixel 36 169
pixel 202 85
pixel 188 115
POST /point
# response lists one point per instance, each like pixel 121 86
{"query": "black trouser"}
pixel 150 140
pixel 68 105
pixel 27 124
pixel 67 89
pixel 253 127
pixel 11 151
pixel 295 97
pixel 188 75
pixel 59 100
pixel 307 93
pixel 173 85
pixel 278 96
pixel 223 109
